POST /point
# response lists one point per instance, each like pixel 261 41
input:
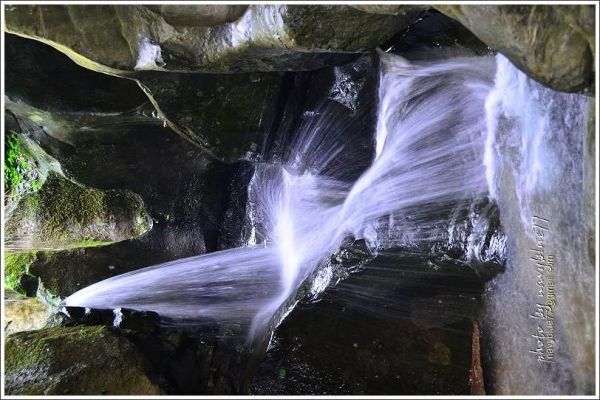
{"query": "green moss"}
pixel 74 360
pixel 29 350
pixel 89 243
pixel 21 169
pixel 63 200
pixel 15 163
pixel 65 215
pixel 19 357
pixel 16 265
pixel 132 206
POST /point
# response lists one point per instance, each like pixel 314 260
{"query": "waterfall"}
pixel 431 133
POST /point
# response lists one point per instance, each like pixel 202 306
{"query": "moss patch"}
pixel 30 349
pixel 16 267
pixel 74 360
pixel 20 168
pixel 65 214
pixel 20 275
pixel 65 201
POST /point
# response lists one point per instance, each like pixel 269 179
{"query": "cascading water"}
pixel 429 142
pixel 430 137
pixel 447 137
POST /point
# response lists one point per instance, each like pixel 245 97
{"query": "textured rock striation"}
pixel 206 38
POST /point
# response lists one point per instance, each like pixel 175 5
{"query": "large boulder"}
pixel 553 44
pixel 75 361
pixel 46 210
pixel 120 39
pixel 24 313
pixel 65 214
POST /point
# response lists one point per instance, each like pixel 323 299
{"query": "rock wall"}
pixel 553 44
pixel 208 39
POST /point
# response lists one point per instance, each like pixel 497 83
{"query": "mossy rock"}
pixel 25 169
pixel 22 275
pixel 16 273
pixel 88 360
pixel 64 214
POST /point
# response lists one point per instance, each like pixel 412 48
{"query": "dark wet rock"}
pixel 64 100
pixel 56 84
pixel 196 359
pixel 434 35
pixel 466 233
pixel 339 101
pixel 475 238
pixel 425 311
pixel 223 114
pixel 73 316
pixel 553 44
pixel 265 38
pixel 89 360
pixel 132 320
pixel 382 350
pixel 124 319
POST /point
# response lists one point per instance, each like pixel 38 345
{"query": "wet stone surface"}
pixel 395 327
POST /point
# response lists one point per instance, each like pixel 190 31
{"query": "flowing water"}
pixel 430 138
pixel 448 137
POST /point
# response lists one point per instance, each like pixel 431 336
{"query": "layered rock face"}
pixel 206 39
pixel 553 44
pixel 131 137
